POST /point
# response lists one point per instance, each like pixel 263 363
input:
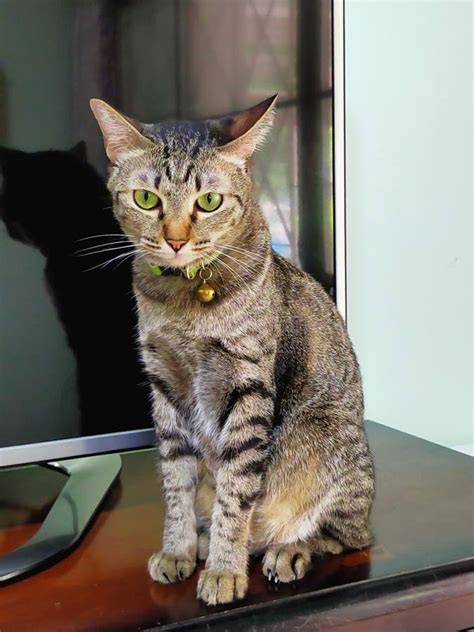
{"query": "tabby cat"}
pixel 257 395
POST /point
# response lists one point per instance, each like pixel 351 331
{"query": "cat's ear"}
pixel 121 134
pixel 245 132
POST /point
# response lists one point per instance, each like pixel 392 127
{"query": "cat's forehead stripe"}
pixel 187 175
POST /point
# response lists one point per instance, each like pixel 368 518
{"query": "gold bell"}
pixel 205 293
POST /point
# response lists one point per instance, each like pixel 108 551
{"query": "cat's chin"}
pixel 177 263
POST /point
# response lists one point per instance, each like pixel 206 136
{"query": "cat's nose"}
pixel 176 244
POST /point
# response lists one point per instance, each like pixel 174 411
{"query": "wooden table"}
pixel 419 575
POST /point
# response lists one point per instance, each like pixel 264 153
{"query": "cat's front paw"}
pixel 168 568
pixel 216 587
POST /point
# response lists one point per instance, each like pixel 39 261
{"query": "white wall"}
pixel 409 212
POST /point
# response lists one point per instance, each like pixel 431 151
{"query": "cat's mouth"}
pixel 156 255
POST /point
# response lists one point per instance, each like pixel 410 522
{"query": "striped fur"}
pixel 257 396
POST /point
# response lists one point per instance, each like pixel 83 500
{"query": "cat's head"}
pixel 183 190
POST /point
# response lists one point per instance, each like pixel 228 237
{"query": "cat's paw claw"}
pixel 286 563
pixel 167 568
pixel 215 587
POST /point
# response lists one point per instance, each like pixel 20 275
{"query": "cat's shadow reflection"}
pixel 55 201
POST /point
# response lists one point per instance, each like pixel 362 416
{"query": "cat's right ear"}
pixel 121 135
pixel 245 131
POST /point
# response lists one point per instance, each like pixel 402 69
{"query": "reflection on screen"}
pixel 68 359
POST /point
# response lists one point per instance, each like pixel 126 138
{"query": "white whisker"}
pixel 122 260
pixel 106 263
pixel 240 249
pixel 243 251
pixel 105 243
pixel 250 267
pixel 103 235
pixel 213 265
pixel 81 253
pixel 235 274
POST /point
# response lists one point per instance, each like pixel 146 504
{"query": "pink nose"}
pixel 176 244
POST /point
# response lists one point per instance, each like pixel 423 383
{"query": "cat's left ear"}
pixel 245 132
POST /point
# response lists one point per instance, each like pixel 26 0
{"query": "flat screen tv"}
pixel 71 383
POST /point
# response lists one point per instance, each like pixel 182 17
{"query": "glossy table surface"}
pixel 422 520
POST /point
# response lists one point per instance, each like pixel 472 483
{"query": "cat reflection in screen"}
pixel 66 212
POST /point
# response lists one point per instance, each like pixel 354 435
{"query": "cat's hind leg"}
pixel 203 545
pixel 289 562
pixel 318 493
pixel 286 562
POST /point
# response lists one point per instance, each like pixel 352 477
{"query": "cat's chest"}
pixel 198 356
pixel 175 357
pixel 180 342
pixel 189 363
pixel 195 379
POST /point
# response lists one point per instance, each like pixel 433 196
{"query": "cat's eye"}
pixel 146 200
pixel 209 202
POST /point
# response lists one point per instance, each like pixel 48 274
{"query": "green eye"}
pixel 145 199
pixel 209 201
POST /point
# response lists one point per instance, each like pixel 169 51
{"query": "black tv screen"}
pixel 68 360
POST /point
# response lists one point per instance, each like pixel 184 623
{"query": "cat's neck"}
pixel 238 268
